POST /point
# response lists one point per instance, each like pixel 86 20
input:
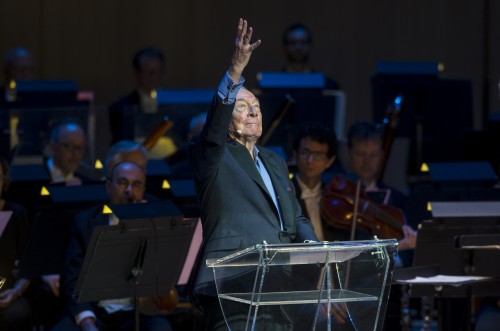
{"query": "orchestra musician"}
pixel 126 184
pixel 365 155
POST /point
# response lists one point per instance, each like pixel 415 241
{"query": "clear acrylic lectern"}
pixel 305 285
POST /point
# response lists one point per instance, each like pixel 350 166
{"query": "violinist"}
pixel 365 154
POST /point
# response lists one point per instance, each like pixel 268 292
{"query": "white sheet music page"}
pixel 445 279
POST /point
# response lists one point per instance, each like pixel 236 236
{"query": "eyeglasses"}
pixel 317 156
pixel 124 184
pixel 71 148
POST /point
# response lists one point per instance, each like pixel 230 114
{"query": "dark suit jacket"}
pixel 85 222
pixel 121 119
pixel 236 209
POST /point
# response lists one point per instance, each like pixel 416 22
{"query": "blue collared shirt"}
pixel 228 89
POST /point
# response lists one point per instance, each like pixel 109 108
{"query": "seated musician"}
pixel 125 185
pixel 365 154
pixel 315 150
pixel 67 146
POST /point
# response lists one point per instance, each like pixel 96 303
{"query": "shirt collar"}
pixel 56 173
pixel 306 192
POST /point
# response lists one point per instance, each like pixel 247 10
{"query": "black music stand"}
pixel 437 245
pixel 46 248
pixel 141 256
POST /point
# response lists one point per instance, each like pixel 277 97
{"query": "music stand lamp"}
pixel 141 256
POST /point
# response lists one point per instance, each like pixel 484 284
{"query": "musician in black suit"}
pixel 314 152
pixel 67 147
pixel 126 185
pixel 244 192
pixel 149 69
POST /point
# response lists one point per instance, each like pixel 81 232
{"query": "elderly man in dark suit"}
pixel 244 191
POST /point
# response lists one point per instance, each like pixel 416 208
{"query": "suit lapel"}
pixel 247 163
pixel 280 186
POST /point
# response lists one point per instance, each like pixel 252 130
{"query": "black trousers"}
pixel 17 317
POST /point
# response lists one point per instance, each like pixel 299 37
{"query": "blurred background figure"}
pixel 67 147
pixel 297 44
pixel 149 72
pixel 19 64
pixel 178 162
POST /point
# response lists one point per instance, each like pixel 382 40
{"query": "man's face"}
pixel 365 157
pixel 247 118
pixel 151 73
pixel 298 46
pixel 68 149
pixel 312 158
pixel 127 184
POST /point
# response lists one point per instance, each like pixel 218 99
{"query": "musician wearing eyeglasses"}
pixel 67 147
pixel 314 151
pixel 126 184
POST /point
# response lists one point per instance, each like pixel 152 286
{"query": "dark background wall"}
pixel 93 41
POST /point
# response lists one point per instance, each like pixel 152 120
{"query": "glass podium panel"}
pixel 304 285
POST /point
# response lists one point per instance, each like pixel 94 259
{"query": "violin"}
pixel 159 305
pixel 337 209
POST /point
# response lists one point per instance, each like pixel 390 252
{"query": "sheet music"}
pixel 444 280
pixel 4 220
